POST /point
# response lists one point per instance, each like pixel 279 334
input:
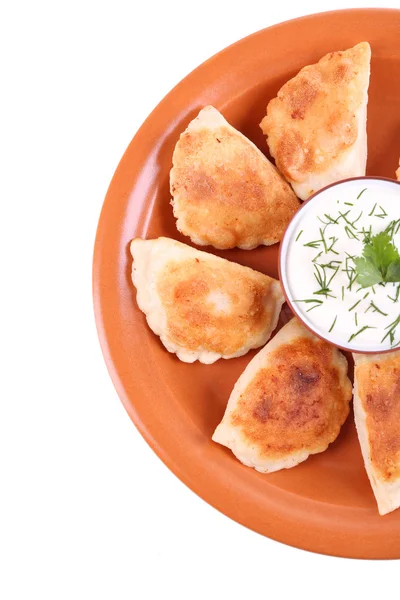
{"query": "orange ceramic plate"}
pixel 326 503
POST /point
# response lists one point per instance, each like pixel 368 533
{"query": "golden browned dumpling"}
pixel 225 192
pixel 290 402
pixel 316 127
pixel 377 416
pixel 203 307
pixel 398 172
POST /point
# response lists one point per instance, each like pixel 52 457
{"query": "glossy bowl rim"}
pixel 283 269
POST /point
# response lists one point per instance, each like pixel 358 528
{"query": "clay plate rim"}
pixel 285 517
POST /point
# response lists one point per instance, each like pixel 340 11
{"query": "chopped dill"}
pixel 333 325
pixel 354 305
pixel 396 298
pixel 375 309
pixel 354 335
pixel 391 330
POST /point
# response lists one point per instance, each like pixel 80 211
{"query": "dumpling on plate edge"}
pixel 377 417
pixel 398 172
pixel 290 401
pixel 316 126
pixel 201 306
pixel 226 193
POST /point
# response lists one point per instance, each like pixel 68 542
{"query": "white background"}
pixel 87 511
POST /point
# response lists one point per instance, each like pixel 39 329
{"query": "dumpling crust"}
pixel 379 393
pixel 377 417
pixel 203 307
pixel 316 126
pixel 290 402
pixel 225 192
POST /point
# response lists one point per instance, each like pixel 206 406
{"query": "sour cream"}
pixel 316 254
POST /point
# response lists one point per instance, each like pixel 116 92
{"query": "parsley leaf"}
pixel 380 261
pixel 393 272
pixel 367 273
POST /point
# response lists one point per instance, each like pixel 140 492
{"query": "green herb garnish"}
pixel 323 240
pixel 309 301
pixel 317 257
pixel 393 228
pixel 323 281
pixel 350 272
pixel 391 330
pixel 350 234
pixel 313 244
pixel 354 305
pixel 380 261
pixel 358 218
pixel 333 325
pixel 351 338
pixel 332 264
pixel 367 233
pixel 344 217
pixel 330 221
pixel 375 309
pixel 330 249
pixel 383 214
pixel 396 298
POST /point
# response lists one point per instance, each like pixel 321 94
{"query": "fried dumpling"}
pixel 398 172
pixel 377 417
pixel 203 307
pixel 316 126
pixel 290 402
pixel 226 193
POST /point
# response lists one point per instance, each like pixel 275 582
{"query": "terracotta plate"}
pixel 325 504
